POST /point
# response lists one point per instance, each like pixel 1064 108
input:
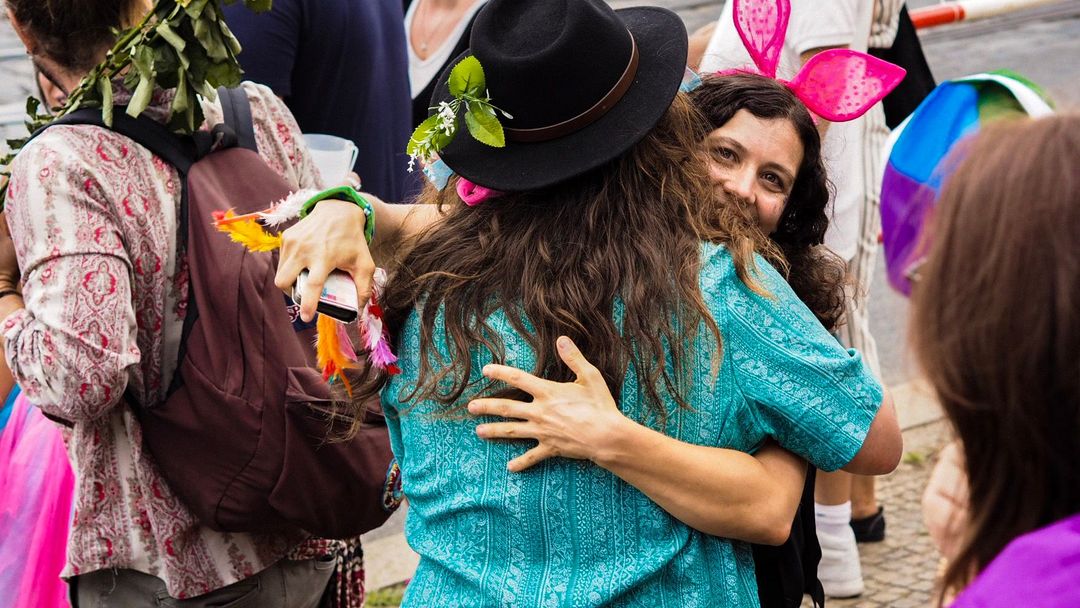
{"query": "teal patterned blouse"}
pixel 569 533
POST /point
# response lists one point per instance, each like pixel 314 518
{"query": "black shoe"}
pixel 870 529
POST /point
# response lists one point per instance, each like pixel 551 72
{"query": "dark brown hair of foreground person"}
pixel 561 257
pixel 815 274
pixel 996 328
pixel 75 33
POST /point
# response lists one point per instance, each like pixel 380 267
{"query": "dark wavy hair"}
pixel 560 258
pixel 816 275
pixel 996 329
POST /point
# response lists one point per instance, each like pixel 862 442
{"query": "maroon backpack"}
pixel 244 436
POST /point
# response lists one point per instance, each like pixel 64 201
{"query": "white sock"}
pixel 832 519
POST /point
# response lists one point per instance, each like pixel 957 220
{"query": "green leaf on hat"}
pixel 422 133
pixel 467 78
pixel 484 126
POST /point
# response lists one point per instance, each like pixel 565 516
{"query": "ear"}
pixel 762 25
pixel 841 85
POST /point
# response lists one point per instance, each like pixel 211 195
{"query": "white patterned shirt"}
pixel 94 220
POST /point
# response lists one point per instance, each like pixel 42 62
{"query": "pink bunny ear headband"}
pixel 838 84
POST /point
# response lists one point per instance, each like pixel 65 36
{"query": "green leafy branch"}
pixel 469 87
pixel 180 45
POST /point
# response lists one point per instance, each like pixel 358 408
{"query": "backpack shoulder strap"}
pixel 178 151
pixel 236 110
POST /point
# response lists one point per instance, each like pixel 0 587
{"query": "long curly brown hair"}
pixel 815 274
pixel 559 259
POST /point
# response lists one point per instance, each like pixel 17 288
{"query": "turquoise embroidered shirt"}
pixel 570 534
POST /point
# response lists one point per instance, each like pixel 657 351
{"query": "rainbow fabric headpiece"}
pixel 838 84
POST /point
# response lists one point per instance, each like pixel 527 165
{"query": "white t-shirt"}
pixel 423 71
pixel 814 24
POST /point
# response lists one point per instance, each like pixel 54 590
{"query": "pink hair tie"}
pixel 473 194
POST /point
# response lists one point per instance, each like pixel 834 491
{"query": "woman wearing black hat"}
pixel 601 236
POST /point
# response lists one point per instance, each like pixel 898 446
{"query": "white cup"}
pixel 334 156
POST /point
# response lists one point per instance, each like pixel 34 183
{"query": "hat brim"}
pixel 662 44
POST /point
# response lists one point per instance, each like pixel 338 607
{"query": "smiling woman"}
pixel 784 178
pixel 755 161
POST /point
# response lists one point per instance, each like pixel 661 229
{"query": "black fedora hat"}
pixel 583 83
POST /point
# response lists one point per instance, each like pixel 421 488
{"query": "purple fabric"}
pixel 902 223
pixel 1041 568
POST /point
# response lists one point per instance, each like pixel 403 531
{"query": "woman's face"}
pixel 756 160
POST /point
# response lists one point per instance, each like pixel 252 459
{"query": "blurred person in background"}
pixel 92 297
pixel 847 510
pixel 996 330
pixel 341 67
pixel 436 31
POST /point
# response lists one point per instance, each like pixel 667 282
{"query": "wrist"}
pixel 350 196
pixel 620 439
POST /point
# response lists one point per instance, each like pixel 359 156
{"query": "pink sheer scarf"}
pixel 36 488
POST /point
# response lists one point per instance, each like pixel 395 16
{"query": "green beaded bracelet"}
pixel 349 194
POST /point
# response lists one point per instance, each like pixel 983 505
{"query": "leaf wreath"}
pixel 469 87
pixel 180 44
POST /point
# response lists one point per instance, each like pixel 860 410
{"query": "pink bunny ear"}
pixel 472 194
pixel 841 85
pixel 762 25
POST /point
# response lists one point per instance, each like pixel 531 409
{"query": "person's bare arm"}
pixel 822 124
pixel 719 491
pixel 396 226
pixel 884 445
pixel 699 42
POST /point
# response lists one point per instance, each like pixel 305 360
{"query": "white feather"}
pixel 287 209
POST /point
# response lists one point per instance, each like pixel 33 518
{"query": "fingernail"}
pixel 487 370
pixel 481 430
pixel 563 342
pixel 472 407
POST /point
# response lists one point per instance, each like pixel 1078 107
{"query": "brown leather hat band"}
pixel 587 117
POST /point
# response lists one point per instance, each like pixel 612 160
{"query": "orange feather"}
pixel 247 232
pixel 330 354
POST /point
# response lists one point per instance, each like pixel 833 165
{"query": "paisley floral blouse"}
pixel 568 533
pixel 93 217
